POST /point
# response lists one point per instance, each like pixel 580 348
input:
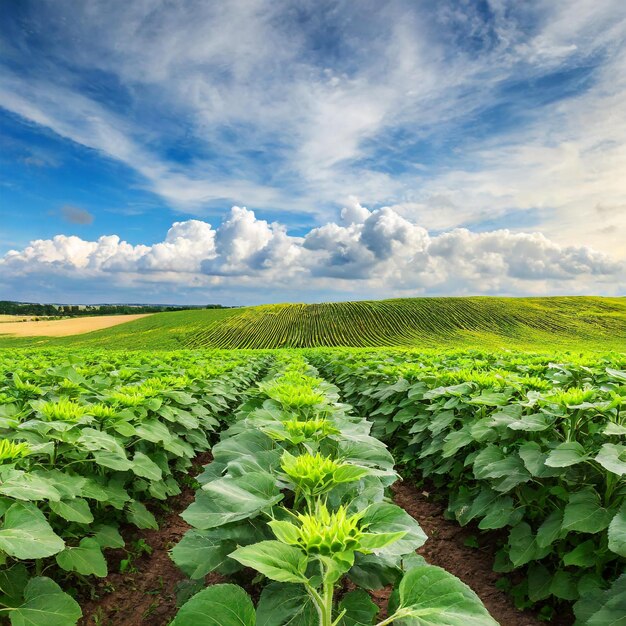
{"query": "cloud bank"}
pixel 367 253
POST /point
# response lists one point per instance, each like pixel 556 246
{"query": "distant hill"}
pixel 484 322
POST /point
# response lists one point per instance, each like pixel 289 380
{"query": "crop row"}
pixel 296 491
pixel 423 321
pixel 520 445
pixel 84 444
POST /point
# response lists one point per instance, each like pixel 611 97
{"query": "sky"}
pixel 252 151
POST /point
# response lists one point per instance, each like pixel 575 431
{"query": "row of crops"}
pixel 530 449
pixel 296 492
pixel 416 321
pixel 86 442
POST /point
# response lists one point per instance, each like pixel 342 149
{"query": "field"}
pixel 16 318
pixel 512 460
pixel 141 484
pixel 577 323
pixel 160 331
pixel 64 328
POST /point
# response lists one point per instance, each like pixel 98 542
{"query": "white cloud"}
pixel 243 76
pixel 383 254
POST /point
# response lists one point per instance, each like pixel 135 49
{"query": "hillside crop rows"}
pixel 417 321
pixel 578 323
pixel 528 450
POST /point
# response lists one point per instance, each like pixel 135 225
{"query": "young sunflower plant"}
pixel 308 512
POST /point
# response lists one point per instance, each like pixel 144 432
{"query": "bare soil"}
pixel 446 548
pixel 145 596
pixel 65 328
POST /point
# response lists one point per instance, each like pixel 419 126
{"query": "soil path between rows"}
pixel 446 548
pixel 146 595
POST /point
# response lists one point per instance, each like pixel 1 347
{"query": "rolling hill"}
pixel 485 322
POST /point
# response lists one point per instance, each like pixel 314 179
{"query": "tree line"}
pixel 8 307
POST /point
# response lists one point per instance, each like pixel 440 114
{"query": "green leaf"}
pixel 563 586
pixel 275 560
pixel 617 532
pixel 433 597
pixel 373 571
pixel 230 499
pixel 202 551
pixel 503 513
pixel 603 609
pixel 218 605
pixel 621 376
pixel 25 533
pixel 375 542
pixel 539 580
pixel 530 423
pixel 584 512
pixel 349 473
pixel 285 531
pixel 383 517
pixel 614 429
pixel 86 558
pixel 456 440
pixel 95 440
pixel 566 454
pixel 12 583
pixel 535 460
pixel 140 516
pixel 283 604
pixel 68 485
pixel 523 546
pixel 112 460
pixel 550 529
pixel 144 466
pixel 45 604
pixel 612 457
pixel 108 537
pixel 489 397
pixel 583 555
pixel 154 431
pixel 360 610
pixel 75 510
pixel 27 486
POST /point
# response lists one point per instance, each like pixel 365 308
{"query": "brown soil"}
pixel 446 548
pixel 64 328
pixel 147 595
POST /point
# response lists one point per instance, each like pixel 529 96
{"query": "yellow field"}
pixel 63 328
pixel 15 318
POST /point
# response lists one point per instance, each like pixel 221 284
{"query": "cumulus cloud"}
pixel 382 252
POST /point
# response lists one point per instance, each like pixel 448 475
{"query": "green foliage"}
pixel 529 445
pixel 78 458
pixel 572 323
pixel 544 461
pixel 306 512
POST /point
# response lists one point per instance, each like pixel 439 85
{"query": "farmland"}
pixel 589 323
pixel 64 328
pixel 526 451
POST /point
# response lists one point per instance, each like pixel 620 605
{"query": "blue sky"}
pixel 380 149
